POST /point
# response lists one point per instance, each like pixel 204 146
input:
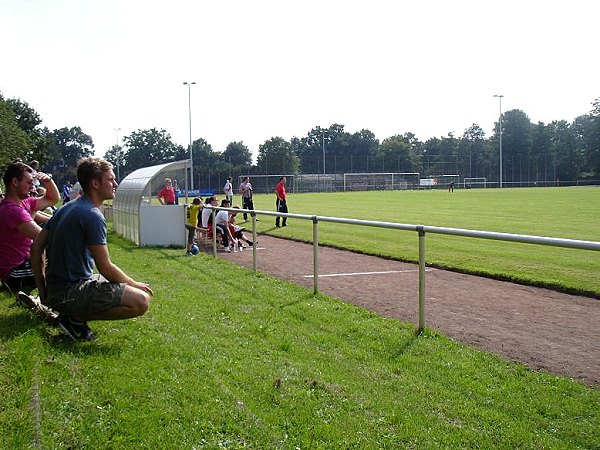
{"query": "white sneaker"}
pixel 227 250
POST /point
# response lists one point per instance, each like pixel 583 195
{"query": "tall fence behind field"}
pixel 421 230
pixel 342 182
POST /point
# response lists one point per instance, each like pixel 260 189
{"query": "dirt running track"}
pixel 543 329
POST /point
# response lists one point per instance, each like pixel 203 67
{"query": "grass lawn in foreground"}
pixel 570 212
pixel 228 359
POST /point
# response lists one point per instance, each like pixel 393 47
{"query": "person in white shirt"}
pixel 228 190
pixel 222 226
pixel 76 192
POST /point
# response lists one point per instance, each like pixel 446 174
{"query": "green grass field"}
pixel 228 359
pixel 572 213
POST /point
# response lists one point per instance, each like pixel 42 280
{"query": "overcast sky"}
pixel 268 68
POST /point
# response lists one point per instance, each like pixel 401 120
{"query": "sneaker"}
pixel 26 300
pixel 78 331
pixel 188 254
pixel 250 243
pixel 227 250
pixel 35 306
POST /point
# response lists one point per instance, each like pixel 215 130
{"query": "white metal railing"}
pixel 422 230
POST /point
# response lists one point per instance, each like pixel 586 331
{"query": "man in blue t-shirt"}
pixel 74 240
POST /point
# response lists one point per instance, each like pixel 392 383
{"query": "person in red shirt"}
pixel 281 201
pixel 166 196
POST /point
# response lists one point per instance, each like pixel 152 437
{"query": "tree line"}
pixel 560 150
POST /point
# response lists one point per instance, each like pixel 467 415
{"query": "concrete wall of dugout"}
pixel 136 218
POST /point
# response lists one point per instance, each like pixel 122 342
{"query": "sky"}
pixel 267 68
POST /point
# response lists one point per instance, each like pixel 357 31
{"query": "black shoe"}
pixel 250 243
pixel 78 331
pixel 284 224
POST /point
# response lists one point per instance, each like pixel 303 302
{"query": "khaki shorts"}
pixel 86 296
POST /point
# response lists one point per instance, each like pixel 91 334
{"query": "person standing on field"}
pixel 228 190
pixel 191 222
pixel 246 193
pixel 281 204
pixel 74 241
pixel 166 196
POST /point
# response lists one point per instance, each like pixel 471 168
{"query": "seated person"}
pixel 237 231
pixel 206 214
pixel 222 226
pixel 17 225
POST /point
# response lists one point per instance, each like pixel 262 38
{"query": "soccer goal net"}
pixel 477 182
pixel 380 181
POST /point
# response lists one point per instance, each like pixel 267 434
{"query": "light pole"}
pixel 118 154
pixel 189 85
pixel 500 127
pixel 323 134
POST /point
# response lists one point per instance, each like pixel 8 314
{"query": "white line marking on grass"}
pixel 365 273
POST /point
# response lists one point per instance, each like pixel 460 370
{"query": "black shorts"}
pixel 21 278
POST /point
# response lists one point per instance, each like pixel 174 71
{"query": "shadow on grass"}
pixel 15 325
pixel 82 348
pixel 406 345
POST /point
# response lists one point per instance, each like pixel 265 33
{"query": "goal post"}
pixel 475 182
pixel 383 181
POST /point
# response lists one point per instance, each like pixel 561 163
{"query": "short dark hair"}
pixel 225 202
pixel 89 169
pixel 15 170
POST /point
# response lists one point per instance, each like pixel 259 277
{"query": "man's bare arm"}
pixel 111 271
pixel 37 262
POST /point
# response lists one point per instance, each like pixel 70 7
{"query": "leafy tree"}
pixel 516 144
pixel 67 147
pixel 440 155
pixel 205 163
pixel 116 156
pixel 592 140
pixel 568 161
pixel 14 141
pixel 276 156
pixel 29 121
pixel 540 164
pixel 237 155
pixel 399 154
pixel 149 148
pixel 471 152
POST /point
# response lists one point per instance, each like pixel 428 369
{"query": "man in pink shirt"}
pixel 17 223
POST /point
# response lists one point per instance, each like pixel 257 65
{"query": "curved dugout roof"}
pixel 136 191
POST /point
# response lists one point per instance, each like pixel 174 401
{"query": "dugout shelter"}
pixel 144 221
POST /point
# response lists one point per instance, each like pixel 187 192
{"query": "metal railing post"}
pixel 315 255
pixel 421 232
pixel 254 241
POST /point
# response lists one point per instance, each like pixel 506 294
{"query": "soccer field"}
pixel 571 213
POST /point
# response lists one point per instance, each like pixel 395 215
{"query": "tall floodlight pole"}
pixel 118 155
pixel 189 85
pixel 500 127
